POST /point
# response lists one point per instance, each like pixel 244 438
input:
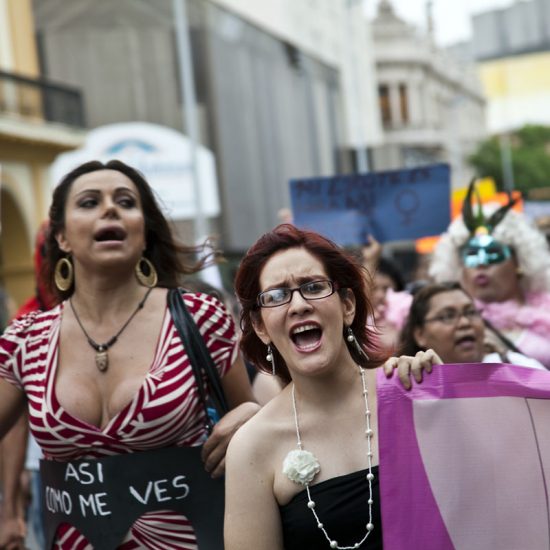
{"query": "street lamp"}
pixel 188 99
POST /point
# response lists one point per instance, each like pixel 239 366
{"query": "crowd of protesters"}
pixel 299 297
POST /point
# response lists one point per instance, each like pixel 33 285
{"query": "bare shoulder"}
pixel 251 462
pixel 260 435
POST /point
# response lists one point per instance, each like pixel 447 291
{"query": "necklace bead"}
pixel 369 477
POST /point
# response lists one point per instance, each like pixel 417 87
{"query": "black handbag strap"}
pixel 198 354
pixel 506 341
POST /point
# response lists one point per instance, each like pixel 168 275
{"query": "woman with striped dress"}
pixel 104 372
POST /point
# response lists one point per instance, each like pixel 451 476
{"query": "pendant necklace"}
pixel 301 466
pixel 101 355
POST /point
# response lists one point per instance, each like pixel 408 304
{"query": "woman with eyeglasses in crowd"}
pixel 444 317
pixel 303 473
pixel 503 262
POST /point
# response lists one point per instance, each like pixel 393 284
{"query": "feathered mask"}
pixel 482 248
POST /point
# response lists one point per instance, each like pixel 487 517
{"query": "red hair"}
pixel 42 299
pixel 340 267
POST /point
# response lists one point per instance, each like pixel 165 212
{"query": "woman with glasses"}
pixel 303 473
pixel 444 317
pixel 504 263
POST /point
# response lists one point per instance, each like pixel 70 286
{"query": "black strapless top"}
pixel 341 504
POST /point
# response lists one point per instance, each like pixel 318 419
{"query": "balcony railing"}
pixel 41 99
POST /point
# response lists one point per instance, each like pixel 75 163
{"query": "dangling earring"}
pixel 519 272
pixel 271 359
pixel 350 337
pixel 64 274
pixel 146 273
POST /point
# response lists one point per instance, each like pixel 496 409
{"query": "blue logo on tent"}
pixel 130 144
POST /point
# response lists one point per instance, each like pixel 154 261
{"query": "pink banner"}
pixel 465 459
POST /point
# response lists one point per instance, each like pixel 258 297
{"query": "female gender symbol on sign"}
pixel 407 203
pixel 415 201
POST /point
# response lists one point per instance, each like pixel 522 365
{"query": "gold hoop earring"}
pixel 64 274
pixel 146 273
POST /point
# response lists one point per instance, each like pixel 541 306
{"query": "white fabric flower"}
pixel 300 466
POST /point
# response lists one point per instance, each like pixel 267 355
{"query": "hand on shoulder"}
pixel 407 365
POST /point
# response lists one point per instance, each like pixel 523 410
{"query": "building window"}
pixel 403 103
pixel 384 100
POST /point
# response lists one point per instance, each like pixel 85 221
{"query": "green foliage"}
pixel 530 158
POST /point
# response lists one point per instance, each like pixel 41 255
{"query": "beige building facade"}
pixel 432 105
pixel 284 88
pixel 33 131
pixel 512 48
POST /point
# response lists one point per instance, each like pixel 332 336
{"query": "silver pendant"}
pixel 102 360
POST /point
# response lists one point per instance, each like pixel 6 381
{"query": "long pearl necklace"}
pixel 370 476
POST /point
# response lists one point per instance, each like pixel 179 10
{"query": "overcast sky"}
pixel 451 17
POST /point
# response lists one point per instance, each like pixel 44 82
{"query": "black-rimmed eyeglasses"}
pixel 312 290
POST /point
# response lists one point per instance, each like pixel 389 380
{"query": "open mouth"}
pixel 110 234
pixel 306 337
pixel 481 280
pixel 467 340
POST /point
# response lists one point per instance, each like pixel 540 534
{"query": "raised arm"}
pixel 252 518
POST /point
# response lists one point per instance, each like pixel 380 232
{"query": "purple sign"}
pixel 465 459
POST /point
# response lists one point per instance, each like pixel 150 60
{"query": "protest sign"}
pixel 392 205
pixel 103 498
pixel 465 459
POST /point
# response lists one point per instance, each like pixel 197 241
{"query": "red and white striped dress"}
pixel 166 411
